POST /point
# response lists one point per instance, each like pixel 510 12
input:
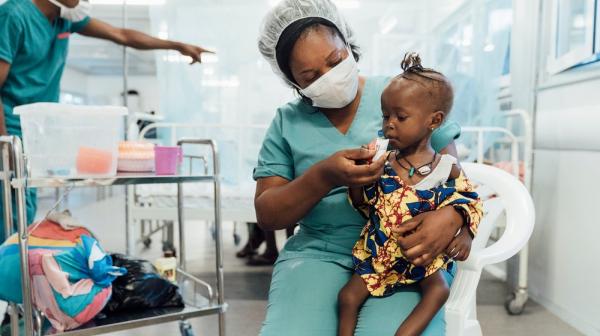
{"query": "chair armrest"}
pixel 514 199
pixel 520 214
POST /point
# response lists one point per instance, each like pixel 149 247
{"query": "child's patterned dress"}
pixel 377 256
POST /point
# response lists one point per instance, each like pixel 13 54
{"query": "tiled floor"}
pixel 246 288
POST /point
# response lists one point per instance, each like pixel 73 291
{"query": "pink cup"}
pixel 166 159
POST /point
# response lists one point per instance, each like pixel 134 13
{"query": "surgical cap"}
pixel 289 11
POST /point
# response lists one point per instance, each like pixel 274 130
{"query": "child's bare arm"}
pixel 472 211
pixel 460 247
pixel 455 172
pixel 356 196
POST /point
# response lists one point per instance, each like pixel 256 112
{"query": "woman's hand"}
pixel 460 247
pixel 427 235
pixel 281 203
pixel 344 169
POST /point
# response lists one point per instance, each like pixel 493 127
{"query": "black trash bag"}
pixel 141 288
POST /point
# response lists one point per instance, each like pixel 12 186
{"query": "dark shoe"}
pixel 257 237
pixel 246 251
pixel 261 260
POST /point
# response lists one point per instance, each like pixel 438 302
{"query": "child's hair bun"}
pixel 411 62
pixel 435 81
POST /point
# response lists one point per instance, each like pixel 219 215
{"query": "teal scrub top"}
pixel 301 136
pixel 36 50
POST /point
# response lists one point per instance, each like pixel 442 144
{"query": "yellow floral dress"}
pixel 377 257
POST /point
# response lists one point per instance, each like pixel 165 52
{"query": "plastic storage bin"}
pixel 71 140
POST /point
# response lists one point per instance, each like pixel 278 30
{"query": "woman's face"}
pixel 316 52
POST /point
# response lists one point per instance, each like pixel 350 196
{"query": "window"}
pixel 572 39
pixel 597 23
pixel 500 19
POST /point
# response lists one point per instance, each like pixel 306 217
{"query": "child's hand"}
pixel 356 196
pixel 460 247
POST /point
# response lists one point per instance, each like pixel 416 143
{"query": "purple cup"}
pixel 166 159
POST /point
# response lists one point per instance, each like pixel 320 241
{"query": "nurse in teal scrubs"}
pixel 309 156
pixel 34 40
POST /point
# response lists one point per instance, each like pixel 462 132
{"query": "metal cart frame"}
pixel 15 180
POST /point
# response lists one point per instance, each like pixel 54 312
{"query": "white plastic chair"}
pixel 515 202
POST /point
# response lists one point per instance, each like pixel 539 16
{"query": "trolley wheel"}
pixel 185 329
pixel 147 242
pixel 515 303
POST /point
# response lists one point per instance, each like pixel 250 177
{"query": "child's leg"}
pixel 350 299
pixel 434 293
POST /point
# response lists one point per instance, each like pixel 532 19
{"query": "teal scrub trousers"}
pixel 303 301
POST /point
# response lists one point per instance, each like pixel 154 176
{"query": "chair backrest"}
pixel 512 197
pixel 504 194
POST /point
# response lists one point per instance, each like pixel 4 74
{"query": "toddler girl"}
pixel 416 179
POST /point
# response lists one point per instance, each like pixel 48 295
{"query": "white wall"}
pixel 563 273
pixel 564 247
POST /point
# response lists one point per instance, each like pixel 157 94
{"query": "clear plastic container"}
pixel 71 140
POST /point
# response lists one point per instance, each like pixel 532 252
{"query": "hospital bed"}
pixel 152 207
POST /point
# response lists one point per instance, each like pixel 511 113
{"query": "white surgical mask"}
pixel 337 87
pixel 80 12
